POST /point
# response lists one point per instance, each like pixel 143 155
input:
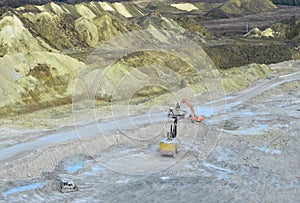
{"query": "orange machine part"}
pixel 192 116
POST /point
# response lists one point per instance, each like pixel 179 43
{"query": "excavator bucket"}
pixel 196 118
pixel 200 118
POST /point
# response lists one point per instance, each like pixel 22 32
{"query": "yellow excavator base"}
pixel 168 146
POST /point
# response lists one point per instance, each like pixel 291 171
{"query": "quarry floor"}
pixel 247 150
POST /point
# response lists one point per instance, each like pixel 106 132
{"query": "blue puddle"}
pixel 264 127
pixel 223 154
pixel 74 168
pixel 207 112
pixel 257 130
pixel 96 169
pixel 232 109
pixel 270 151
pixel 211 166
pixel 289 104
pixel 233 106
pixel 292 185
pixel 222 173
pixel 248 113
pixel 21 189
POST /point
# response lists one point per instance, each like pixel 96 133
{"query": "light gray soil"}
pixel 250 153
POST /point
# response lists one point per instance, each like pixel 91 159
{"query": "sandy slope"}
pixel 249 155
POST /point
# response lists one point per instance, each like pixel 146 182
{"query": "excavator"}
pixel 193 117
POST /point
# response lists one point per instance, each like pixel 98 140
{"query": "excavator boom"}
pixel 184 101
pixel 192 116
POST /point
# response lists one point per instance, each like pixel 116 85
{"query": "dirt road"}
pixel 246 151
pixel 213 108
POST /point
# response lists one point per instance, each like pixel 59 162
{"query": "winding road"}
pixel 213 108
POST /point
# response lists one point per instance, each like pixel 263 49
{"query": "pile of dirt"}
pixel 185 6
pixel 18 3
pixel 155 20
pixel 189 7
pixel 193 25
pixel 235 8
pixel 80 26
pixel 16 38
pixel 285 29
pixel 288 28
pixel 257 33
pixel 204 7
pixel 59 31
pixel 161 6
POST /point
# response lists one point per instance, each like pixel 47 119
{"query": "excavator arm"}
pixel 193 117
pixel 184 101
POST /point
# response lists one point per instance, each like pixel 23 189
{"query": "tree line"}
pixel 287 2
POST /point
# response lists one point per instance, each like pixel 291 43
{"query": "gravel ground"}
pixel 250 155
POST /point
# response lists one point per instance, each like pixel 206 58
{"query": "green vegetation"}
pixel 288 28
pixel 287 2
pixel 241 53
